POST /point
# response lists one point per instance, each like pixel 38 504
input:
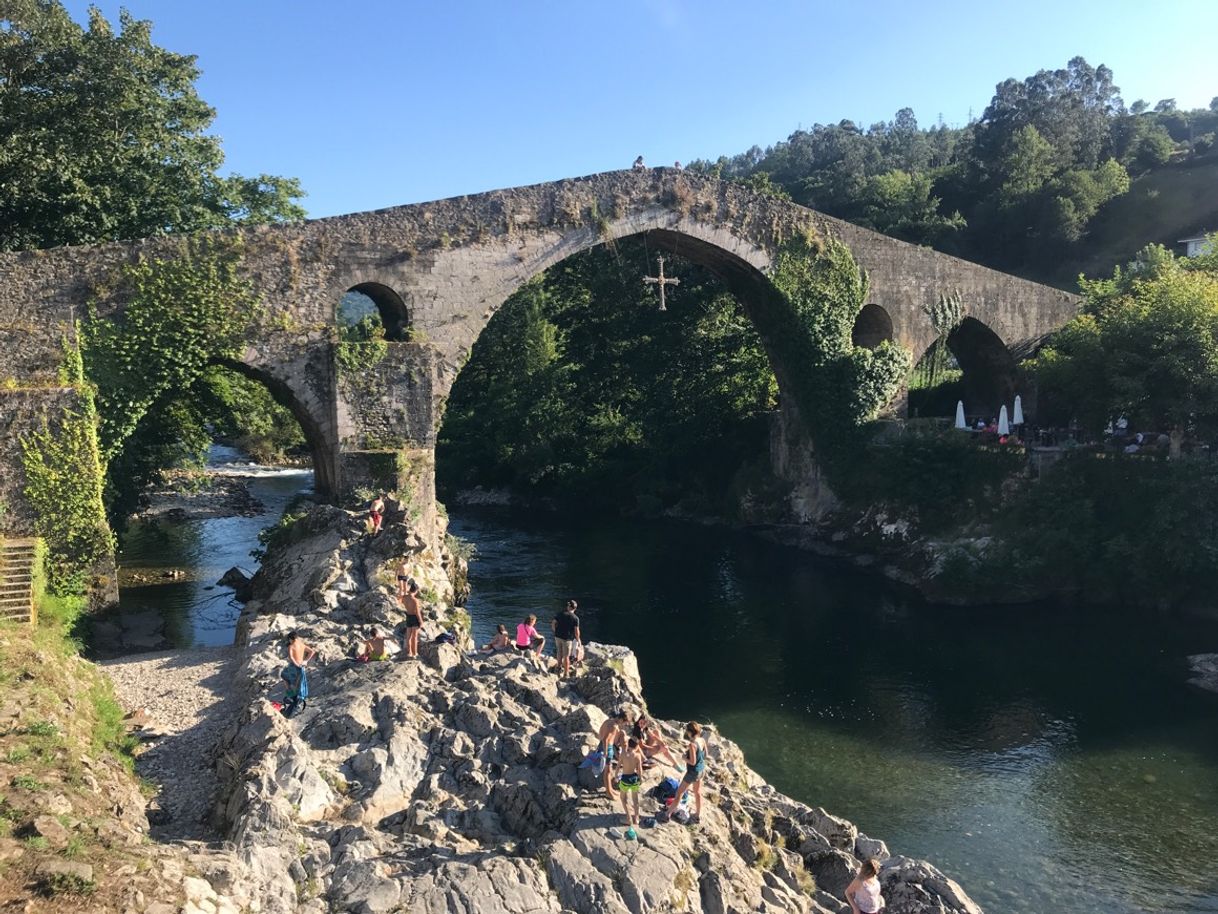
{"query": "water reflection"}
pixel 1052 761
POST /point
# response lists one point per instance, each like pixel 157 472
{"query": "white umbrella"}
pixel 960 423
pixel 1017 416
pixel 1004 427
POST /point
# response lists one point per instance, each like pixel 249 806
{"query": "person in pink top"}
pixel 527 638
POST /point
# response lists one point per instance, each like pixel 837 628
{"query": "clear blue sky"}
pixel 374 103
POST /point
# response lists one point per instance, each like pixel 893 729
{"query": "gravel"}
pixel 187 697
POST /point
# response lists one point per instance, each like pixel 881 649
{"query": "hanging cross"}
pixel 663 281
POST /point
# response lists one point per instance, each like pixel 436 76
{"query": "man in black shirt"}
pixel 566 633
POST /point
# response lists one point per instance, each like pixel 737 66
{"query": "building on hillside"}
pixel 1198 244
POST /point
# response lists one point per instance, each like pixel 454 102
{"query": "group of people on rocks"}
pixel 568 640
pixel 627 743
pixel 626 746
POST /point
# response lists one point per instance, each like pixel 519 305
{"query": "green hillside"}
pixel 1163 206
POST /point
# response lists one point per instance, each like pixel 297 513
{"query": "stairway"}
pixel 17 579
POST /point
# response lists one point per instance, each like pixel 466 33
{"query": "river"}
pixel 1051 761
pixel 196 612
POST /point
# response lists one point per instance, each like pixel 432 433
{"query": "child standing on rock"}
pixel 695 766
pixel 610 740
pixel 414 617
pixel 629 784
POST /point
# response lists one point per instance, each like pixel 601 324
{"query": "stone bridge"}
pixel 438 272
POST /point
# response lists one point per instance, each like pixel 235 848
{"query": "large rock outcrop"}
pixel 452 784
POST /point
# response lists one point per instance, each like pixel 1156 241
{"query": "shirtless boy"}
pixel 611 740
pixel 629 784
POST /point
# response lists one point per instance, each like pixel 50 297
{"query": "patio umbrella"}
pixel 1017 416
pixel 1004 427
pixel 960 423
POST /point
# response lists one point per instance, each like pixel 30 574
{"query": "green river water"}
pixel 1050 760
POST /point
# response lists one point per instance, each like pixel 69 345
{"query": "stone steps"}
pixel 17 557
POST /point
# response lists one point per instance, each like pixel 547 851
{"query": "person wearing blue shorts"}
pixel 611 740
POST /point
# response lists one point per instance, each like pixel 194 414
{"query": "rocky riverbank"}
pixel 190 495
pixel 452 784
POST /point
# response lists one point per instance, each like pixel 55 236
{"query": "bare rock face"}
pixel 1204 668
pixel 452 783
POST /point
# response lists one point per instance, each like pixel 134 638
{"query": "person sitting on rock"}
pixel 501 642
pixel 650 741
pixel 864 892
pixel 527 638
pixel 297 695
pixel 695 767
pixel 610 740
pixel 638 165
pixel 628 785
pixel 414 618
pixel 377 646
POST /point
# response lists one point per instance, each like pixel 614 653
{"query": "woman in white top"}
pixel 864 892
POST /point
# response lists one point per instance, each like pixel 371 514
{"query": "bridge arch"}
pixel 872 326
pixel 989 371
pixel 989 368
pixel 387 303
pixel 312 424
pixel 741 265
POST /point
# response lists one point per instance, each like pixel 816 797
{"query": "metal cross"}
pixel 663 281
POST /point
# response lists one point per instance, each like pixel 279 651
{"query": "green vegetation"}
pixel 242 412
pixel 103 136
pixel 64 486
pixel 1141 528
pixel 1145 347
pixel 1022 187
pixel 581 388
pixel 78 167
pixel 836 385
pixel 1133 530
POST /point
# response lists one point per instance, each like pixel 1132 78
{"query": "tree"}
pixel 103 136
pixel 1025 167
pixel 899 203
pixel 1145 347
pixel 1070 108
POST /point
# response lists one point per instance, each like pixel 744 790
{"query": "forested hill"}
pixel 1057 176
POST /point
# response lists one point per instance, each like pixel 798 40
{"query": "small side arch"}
pixel 364 298
pixel 872 326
